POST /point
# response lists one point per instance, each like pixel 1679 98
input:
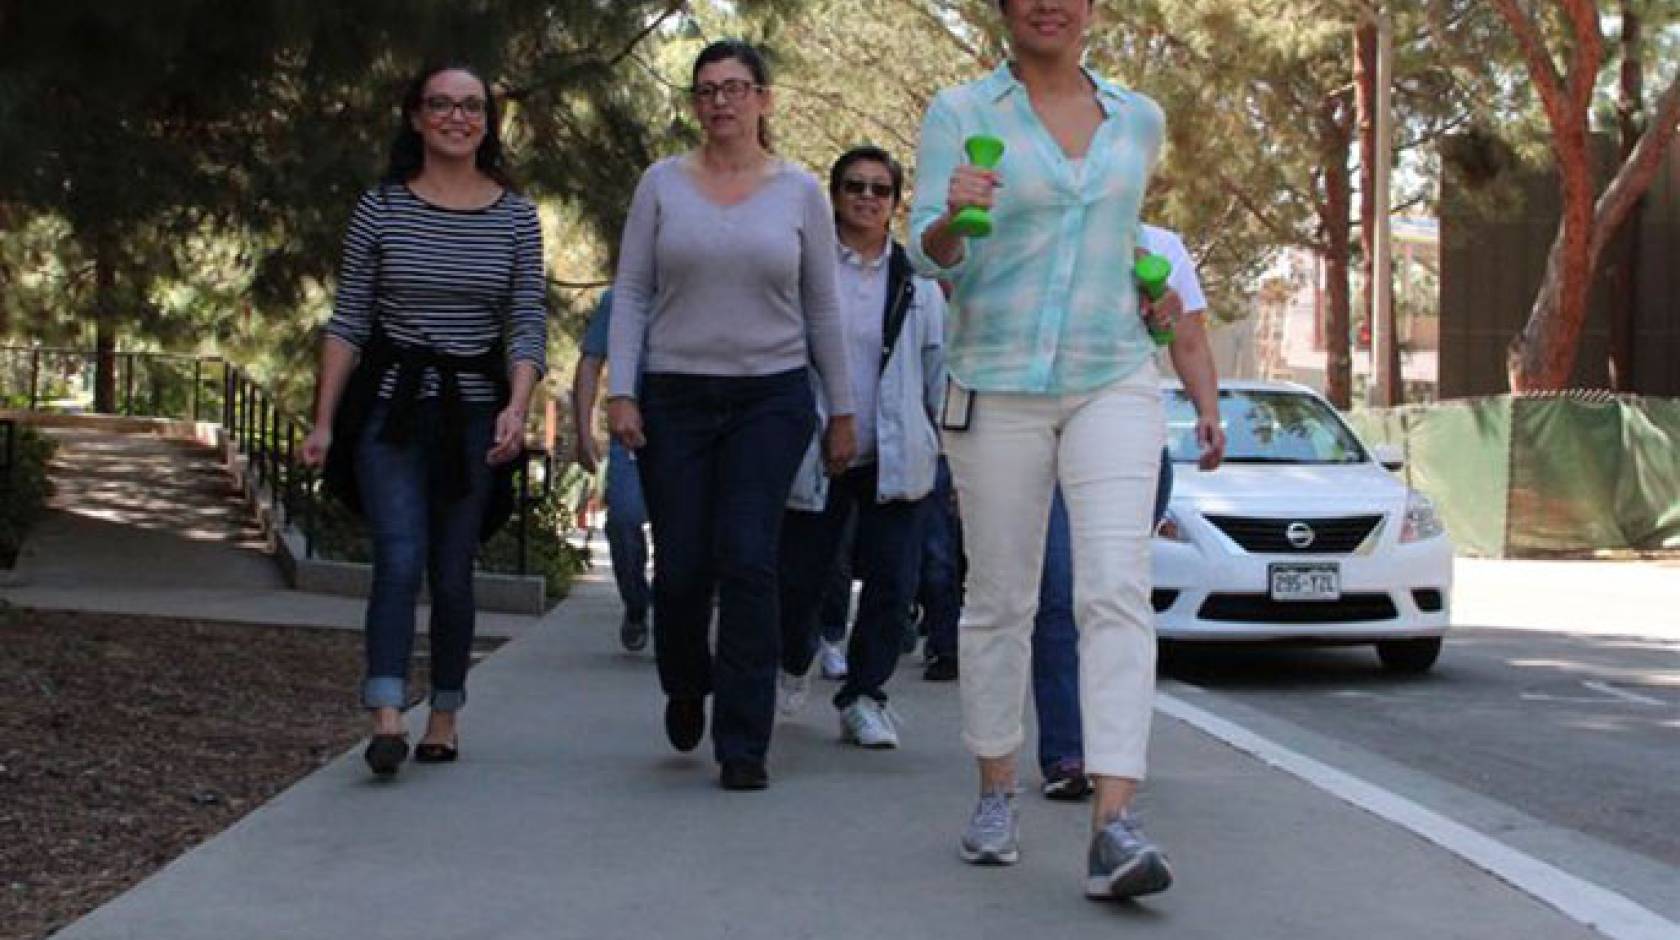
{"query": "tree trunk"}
pixel 105 327
pixel 1624 273
pixel 1336 218
pixel 1542 356
pixel 1365 103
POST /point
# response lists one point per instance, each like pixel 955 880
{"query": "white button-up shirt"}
pixel 862 287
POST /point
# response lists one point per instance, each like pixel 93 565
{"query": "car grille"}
pixel 1338 536
pixel 1260 608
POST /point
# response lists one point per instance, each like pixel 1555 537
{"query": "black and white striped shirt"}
pixel 456 281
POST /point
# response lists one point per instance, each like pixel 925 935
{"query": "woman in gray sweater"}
pixel 725 295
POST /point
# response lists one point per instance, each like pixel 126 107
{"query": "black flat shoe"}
pixel 743 775
pixel 685 722
pixel 385 753
pixel 430 753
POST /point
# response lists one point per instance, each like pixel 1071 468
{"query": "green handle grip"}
pixel 1152 273
pixel 983 151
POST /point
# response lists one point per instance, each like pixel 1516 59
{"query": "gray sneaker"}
pixel 1124 864
pixel 993 836
pixel 866 723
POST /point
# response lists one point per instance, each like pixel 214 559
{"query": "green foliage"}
pixel 24 489
pixel 548 552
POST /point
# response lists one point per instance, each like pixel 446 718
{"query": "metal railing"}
pixel 8 453
pixel 199 388
pixel 146 384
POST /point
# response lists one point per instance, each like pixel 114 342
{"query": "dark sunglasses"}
pixel 855 187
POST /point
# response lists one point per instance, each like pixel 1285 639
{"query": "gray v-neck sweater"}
pixel 740 290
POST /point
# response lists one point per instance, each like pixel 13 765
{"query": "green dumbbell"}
pixel 983 151
pixel 1152 272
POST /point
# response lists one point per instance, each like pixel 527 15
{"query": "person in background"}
pixel 724 301
pixel 893 325
pixel 626 515
pixel 940 595
pixel 441 261
pixel 1055 643
pixel 834 617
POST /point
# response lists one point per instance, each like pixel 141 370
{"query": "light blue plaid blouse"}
pixel 1047 304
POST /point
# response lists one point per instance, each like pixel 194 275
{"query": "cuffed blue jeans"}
pixel 1055 639
pixel 887 550
pixel 419 532
pixel 626 541
pixel 720 459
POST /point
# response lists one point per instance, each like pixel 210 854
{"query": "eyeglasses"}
pixel 857 187
pixel 734 89
pixel 440 107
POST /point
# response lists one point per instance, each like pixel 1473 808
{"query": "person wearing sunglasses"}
pixel 893 327
pixel 437 338
pixel 1054 384
pixel 724 299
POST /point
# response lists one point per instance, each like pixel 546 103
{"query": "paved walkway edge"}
pixel 1604 910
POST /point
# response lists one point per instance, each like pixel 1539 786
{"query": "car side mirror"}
pixel 1392 458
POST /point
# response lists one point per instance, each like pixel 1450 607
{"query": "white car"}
pixel 1302 535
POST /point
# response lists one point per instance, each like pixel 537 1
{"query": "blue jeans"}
pixel 940 594
pixel 1055 641
pixel 888 551
pixel 417 531
pixel 626 541
pixel 720 459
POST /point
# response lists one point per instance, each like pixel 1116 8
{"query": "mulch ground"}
pixel 125 741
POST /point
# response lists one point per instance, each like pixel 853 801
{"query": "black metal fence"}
pixel 8 452
pixel 209 388
pixel 146 384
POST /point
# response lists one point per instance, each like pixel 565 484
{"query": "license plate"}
pixel 1322 582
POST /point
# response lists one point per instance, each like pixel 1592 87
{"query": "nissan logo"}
pixel 1300 535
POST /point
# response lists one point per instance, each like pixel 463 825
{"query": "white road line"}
pixel 1601 909
pixel 1622 694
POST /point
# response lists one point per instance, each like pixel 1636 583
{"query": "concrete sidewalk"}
pixel 151 526
pixel 568 816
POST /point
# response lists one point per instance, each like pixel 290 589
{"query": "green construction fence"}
pixel 1572 473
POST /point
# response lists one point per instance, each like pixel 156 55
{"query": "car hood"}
pixel 1288 489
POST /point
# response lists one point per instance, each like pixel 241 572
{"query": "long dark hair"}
pixel 743 52
pixel 408 151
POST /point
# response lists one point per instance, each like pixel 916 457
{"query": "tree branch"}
pixel 1278 230
pixel 577 285
pixel 1541 67
pixel 1635 175
pixel 672 8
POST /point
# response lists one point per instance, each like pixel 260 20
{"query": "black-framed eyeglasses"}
pixel 733 89
pixel 857 187
pixel 442 106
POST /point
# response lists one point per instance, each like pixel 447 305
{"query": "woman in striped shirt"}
pixel 441 299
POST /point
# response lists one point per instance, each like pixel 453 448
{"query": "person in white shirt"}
pixel 1055 641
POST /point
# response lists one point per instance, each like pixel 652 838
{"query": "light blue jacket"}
pixel 906 442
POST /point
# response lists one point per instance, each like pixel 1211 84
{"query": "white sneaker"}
pixel 832 659
pixel 791 692
pixel 866 723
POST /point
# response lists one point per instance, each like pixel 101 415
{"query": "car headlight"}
pixel 1168 529
pixel 1422 521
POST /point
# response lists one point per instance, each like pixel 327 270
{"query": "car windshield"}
pixel 1265 427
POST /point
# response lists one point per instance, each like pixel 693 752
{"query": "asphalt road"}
pixel 1581 732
